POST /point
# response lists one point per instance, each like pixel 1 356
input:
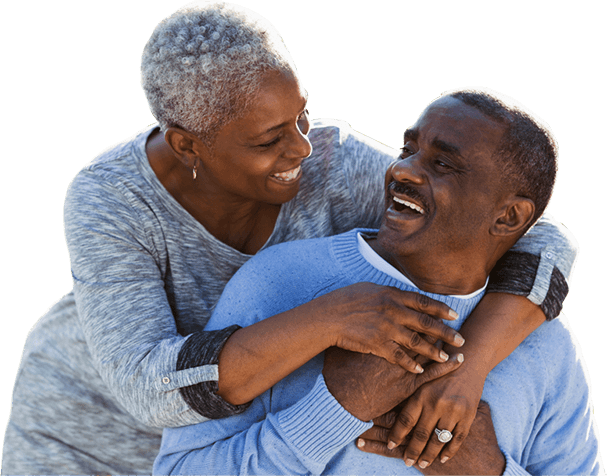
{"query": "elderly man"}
pixel 473 176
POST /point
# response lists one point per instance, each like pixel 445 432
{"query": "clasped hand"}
pixel 406 407
pixel 449 402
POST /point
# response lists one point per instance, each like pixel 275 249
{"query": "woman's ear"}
pixel 187 147
pixel 514 217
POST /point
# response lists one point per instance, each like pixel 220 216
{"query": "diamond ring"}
pixel 444 436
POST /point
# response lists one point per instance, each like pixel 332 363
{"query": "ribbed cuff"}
pixel 512 467
pixel 318 426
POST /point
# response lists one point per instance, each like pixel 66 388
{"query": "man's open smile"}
pixel 405 199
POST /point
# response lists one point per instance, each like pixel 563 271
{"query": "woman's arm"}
pixel 123 309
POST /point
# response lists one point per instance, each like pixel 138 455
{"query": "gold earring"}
pixel 194 172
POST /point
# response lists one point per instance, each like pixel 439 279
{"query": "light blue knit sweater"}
pixel 538 396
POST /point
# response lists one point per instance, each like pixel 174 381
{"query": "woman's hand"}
pixel 367 386
pixel 480 453
pixel 448 403
pixel 385 321
pixel 363 317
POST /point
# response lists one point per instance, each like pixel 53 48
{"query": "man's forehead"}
pixel 451 121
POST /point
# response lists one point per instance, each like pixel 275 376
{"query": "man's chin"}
pixel 402 225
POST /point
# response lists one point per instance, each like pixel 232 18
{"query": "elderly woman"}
pixel 157 225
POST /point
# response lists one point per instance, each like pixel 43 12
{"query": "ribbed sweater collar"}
pixel 358 269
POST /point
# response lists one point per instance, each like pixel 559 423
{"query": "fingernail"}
pixel 453 314
pixel 423 464
pixel 419 369
pixel 361 443
pixel 444 459
pixel 460 358
pixel 391 445
pixel 459 340
pixel 444 356
pixel 409 462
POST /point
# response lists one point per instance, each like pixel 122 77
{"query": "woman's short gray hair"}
pixel 204 64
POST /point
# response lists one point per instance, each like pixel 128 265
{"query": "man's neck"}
pixel 435 276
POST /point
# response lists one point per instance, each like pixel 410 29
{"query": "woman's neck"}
pixel 244 225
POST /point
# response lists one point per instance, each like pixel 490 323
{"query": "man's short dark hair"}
pixel 527 151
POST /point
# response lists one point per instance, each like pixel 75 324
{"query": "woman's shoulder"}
pixel 123 159
pixel 333 137
pixel 116 170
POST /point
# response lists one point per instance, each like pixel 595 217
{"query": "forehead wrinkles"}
pixel 458 126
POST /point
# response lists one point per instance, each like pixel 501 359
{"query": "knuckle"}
pixel 398 353
pixel 459 438
pixel 426 321
pixel 405 420
pixel 415 340
pixel 388 419
pixel 421 435
pixel 423 301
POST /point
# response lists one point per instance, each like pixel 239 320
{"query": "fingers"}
pixel 435 446
pixel 419 437
pixel 405 422
pixel 420 313
pixel 426 305
pixel 396 354
pixel 448 450
pixel 418 344
pixel 379 448
pixel 436 370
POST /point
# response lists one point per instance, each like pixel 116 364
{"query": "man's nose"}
pixel 408 170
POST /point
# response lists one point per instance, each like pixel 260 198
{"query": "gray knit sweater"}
pixel 124 354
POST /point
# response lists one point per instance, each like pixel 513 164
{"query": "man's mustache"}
pixel 405 188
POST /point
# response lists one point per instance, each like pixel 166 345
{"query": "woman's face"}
pixel 258 157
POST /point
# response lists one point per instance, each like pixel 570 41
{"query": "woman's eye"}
pixel 303 123
pixel 271 143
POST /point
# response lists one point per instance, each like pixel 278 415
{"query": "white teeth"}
pixel 409 204
pixel 289 175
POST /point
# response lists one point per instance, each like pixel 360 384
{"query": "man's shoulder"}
pixel 291 258
pixel 277 279
pixel 555 352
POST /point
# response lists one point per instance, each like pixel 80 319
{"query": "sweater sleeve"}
pixel 538 266
pixel 125 313
pixel 300 439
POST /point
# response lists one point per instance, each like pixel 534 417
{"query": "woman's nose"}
pixel 299 146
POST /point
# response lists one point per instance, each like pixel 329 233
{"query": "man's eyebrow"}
pixel 411 134
pixel 446 147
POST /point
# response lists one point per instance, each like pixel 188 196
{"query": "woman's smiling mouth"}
pixel 287 176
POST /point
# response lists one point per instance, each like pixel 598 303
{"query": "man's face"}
pixel 441 194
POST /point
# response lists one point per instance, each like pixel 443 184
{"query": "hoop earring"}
pixel 194 173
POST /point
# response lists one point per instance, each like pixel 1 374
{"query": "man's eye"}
pixel 442 165
pixel 406 151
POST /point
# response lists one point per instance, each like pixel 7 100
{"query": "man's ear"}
pixel 187 147
pixel 514 217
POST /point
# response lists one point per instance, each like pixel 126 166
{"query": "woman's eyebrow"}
pixel 282 124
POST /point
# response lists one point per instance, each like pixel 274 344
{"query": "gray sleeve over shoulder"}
pixel 538 266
